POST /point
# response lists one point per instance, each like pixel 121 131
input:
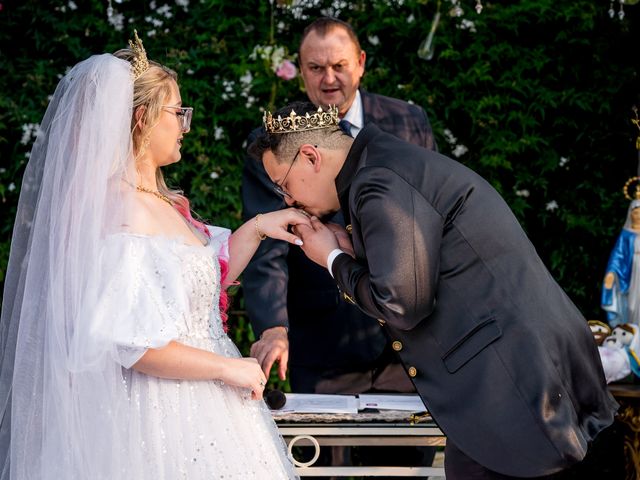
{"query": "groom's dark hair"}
pixel 284 145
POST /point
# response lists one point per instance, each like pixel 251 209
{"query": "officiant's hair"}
pixel 324 25
pixel 285 145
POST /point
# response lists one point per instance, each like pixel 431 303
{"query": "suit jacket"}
pixel 502 358
pixel 282 287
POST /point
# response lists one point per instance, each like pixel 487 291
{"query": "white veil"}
pixel 60 389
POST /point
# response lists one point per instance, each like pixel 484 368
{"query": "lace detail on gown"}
pixel 182 429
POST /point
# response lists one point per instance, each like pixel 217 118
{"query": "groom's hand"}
pixel 318 240
pixel 344 240
pixel 273 346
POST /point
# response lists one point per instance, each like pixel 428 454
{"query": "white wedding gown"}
pixel 157 290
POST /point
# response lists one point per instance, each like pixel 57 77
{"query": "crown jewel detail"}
pixel 140 62
pixel 300 123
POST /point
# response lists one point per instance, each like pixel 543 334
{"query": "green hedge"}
pixel 535 95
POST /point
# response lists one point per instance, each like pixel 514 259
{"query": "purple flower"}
pixel 287 70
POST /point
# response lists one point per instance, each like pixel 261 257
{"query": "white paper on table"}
pixel 409 403
pixel 319 403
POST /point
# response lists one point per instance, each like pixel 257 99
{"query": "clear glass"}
pixel 184 115
pixel 278 187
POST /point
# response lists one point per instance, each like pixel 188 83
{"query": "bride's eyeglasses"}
pixel 184 115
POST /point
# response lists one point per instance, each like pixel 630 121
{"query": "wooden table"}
pixel 628 396
pixel 381 429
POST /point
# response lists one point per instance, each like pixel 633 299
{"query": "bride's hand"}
pixel 276 224
pixel 244 373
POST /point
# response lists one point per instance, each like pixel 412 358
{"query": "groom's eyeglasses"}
pixel 184 115
pixel 278 187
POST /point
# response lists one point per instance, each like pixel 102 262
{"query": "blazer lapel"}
pixel 357 156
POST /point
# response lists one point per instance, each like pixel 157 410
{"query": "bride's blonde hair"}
pixel 150 90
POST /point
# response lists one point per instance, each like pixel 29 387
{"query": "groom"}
pixel 501 357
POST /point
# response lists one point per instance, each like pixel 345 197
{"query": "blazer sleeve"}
pixel 397 117
pixel 265 279
pixel 401 232
pixel 427 140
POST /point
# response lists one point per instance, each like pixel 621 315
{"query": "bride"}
pixel 115 361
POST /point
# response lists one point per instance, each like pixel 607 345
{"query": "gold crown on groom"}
pixel 140 62
pixel 300 123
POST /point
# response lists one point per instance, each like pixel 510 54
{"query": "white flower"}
pixel 466 24
pixel 298 7
pixel 563 161
pixel 189 72
pixel 72 5
pixel 218 133
pixel 246 79
pixel 165 11
pixel 551 206
pixel 156 22
pixel 280 27
pixel 374 40
pixel 448 136
pixel 277 57
pixel 116 20
pixel 227 86
pixel 29 131
pixel 411 102
pixel 522 193
pixel 26 135
pixel 151 33
pixel 11 187
pixel 183 3
pixel 254 53
pixel 152 4
pixel 411 18
pixel 3 170
pixel 459 151
pixel 214 175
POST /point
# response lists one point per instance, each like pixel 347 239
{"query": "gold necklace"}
pixel 156 193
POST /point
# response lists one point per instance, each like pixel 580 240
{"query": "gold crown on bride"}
pixel 140 62
pixel 301 123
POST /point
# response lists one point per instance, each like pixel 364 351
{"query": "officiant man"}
pixel 300 321
pixel 500 355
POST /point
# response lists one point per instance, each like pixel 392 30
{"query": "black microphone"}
pixel 275 399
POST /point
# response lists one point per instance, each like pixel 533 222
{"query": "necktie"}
pixel 345 126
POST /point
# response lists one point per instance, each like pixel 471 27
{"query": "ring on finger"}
pixel 261 383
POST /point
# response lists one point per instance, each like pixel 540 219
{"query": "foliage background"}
pixel 536 95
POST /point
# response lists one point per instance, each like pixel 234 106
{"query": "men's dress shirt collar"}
pixel 355 115
pixel 357 152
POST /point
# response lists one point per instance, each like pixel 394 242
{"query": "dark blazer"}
pixel 282 287
pixel 501 357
